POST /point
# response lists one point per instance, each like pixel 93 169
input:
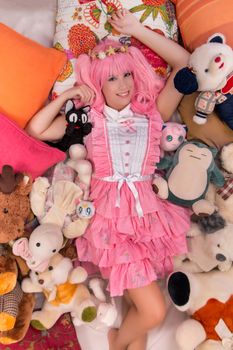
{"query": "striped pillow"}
pixel 199 19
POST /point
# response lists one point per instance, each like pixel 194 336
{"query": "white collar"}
pixel 116 116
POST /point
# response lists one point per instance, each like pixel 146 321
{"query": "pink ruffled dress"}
pixel 134 234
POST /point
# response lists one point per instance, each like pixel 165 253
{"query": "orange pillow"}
pixel 199 19
pixel 28 71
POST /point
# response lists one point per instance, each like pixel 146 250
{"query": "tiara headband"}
pixel 101 55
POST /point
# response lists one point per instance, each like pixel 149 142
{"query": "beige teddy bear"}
pixel 64 292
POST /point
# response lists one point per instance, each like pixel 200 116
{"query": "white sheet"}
pixel 161 338
pixel 33 18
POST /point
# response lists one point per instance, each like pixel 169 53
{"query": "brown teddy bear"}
pixel 15 306
pixel 15 204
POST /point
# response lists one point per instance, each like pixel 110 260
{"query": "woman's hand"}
pixel 83 94
pixel 125 22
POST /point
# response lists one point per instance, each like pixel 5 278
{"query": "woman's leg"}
pixel 148 310
pixel 140 342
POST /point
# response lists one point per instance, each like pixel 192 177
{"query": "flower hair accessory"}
pixel 101 55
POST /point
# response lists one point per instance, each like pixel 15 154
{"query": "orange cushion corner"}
pixel 28 71
pixel 200 19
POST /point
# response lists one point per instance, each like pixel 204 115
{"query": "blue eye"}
pixel 80 209
pixel 169 138
pixel 180 138
pixel 88 211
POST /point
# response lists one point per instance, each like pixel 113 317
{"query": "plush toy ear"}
pixel 217 38
pixel 210 224
pixel 21 248
pixel 185 81
pixel 69 106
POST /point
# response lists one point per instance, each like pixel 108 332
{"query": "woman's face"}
pixel 118 90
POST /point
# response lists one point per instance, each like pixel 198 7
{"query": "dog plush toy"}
pixel 210 71
pixel 208 300
pixel 64 291
pixel 188 175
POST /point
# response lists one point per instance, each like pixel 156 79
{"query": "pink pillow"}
pixel 23 152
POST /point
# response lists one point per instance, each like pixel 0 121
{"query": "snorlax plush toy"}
pixel 188 175
pixel 210 71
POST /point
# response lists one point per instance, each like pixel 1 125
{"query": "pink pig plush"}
pixel 173 135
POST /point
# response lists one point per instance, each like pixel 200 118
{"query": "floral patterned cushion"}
pixel 61 336
pixel 80 24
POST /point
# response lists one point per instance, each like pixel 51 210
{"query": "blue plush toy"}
pixel 210 71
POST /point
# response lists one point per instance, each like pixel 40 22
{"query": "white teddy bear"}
pixel 210 70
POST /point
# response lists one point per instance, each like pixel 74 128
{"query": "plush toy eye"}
pixel 84 118
pixel 218 245
pixel 206 70
pixel 180 138
pixel 5 210
pixel 80 209
pixel 169 138
pixel 37 273
pixel 54 251
pixel 50 268
pixel 88 211
pixel 37 244
pixel 73 118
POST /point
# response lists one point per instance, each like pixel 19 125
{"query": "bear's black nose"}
pixel 220 257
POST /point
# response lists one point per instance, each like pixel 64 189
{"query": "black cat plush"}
pixel 77 126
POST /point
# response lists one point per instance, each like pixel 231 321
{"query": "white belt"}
pixel 129 180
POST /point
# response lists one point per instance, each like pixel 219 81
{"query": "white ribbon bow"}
pixel 225 334
pixel 129 180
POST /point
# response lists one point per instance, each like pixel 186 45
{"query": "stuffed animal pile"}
pixel 60 201
pixel 201 285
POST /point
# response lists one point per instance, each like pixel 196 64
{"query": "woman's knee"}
pixel 155 315
pixel 150 304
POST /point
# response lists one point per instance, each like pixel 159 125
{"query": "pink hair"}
pixel 94 72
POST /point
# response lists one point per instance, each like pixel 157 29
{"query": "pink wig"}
pixel 94 72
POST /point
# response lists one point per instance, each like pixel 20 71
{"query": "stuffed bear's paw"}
pixel 41 184
pixel 199 120
pixel 190 334
pixel 203 208
pixel 87 311
pixel 160 187
pixel 7 322
pixel 38 325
